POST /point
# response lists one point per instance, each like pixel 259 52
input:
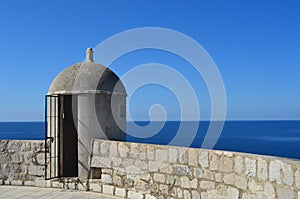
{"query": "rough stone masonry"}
pixel 145 171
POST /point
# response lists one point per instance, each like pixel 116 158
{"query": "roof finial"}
pixel 89 55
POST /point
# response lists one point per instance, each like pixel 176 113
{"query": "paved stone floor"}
pixel 8 192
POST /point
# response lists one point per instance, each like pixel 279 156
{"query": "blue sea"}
pixel 277 138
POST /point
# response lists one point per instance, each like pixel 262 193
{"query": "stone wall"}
pixel 152 171
pixel 131 170
pixel 22 162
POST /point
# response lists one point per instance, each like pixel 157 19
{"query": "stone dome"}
pixel 87 77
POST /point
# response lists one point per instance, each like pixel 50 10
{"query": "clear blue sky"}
pixel 255 44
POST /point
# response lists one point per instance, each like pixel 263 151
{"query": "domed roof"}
pixel 87 77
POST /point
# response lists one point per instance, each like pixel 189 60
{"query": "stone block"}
pixel 285 193
pixel 254 187
pixel 28 183
pixel 203 159
pixel 117 180
pixel 297 178
pixel 275 171
pixel 207 185
pixel 221 191
pixel 179 192
pixel 239 166
pixel 198 173
pixel 208 175
pixel 218 177
pixel 104 148
pixel 161 155
pixel 150 152
pixel 141 185
pixel 158 177
pixel 228 178
pixel 153 166
pixel 106 178
pixel 149 196
pixel 120 192
pixel 113 149
pixel 135 195
pixel 250 165
pixel 213 161
pixel 262 169
pixel 101 162
pixel 173 155
pixel 240 182
pixel 288 174
pixel 95 187
pixel 195 195
pixel 225 164
pixel 186 194
pixel 56 184
pixel 164 189
pixel 187 183
pixel 192 157
pixel 108 189
pixel 269 190
pixel 17 182
pixel 181 170
pixel 123 150
pixel 182 156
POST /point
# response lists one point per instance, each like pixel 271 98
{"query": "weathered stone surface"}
pixel 240 182
pixel 221 191
pixel 173 155
pixel 158 177
pixel 120 192
pixel 218 177
pixel 181 170
pixel 228 178
pixel 198 173
pixel 195 195
pixel 182 156
pixel 207 185
pixel 297 178
pixel 150 152
pixel 104 147
pixel 288 174
pixel 161 155
pixel 149 196
pixel 269 191
pixel 108 189
pixel 254 187
pixel 213 161
pixel 275 171
pixel 225 164
pixel 103 162
pixel 123 149
pixel 186 194
pixel 208 175
pixel 192 157
pixel 135 195
pixel 285 193
pixel 113 149
pixel 95 187
pixel 203 159
pixel 187 183
pixel 262 169
pixel 250 165
pixel 106 178
pixel 239 166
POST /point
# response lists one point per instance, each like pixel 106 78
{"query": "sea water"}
pixel 278 138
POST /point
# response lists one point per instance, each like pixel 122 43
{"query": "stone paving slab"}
pixel 8 192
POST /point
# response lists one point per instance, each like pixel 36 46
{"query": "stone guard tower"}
pixel 85 101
